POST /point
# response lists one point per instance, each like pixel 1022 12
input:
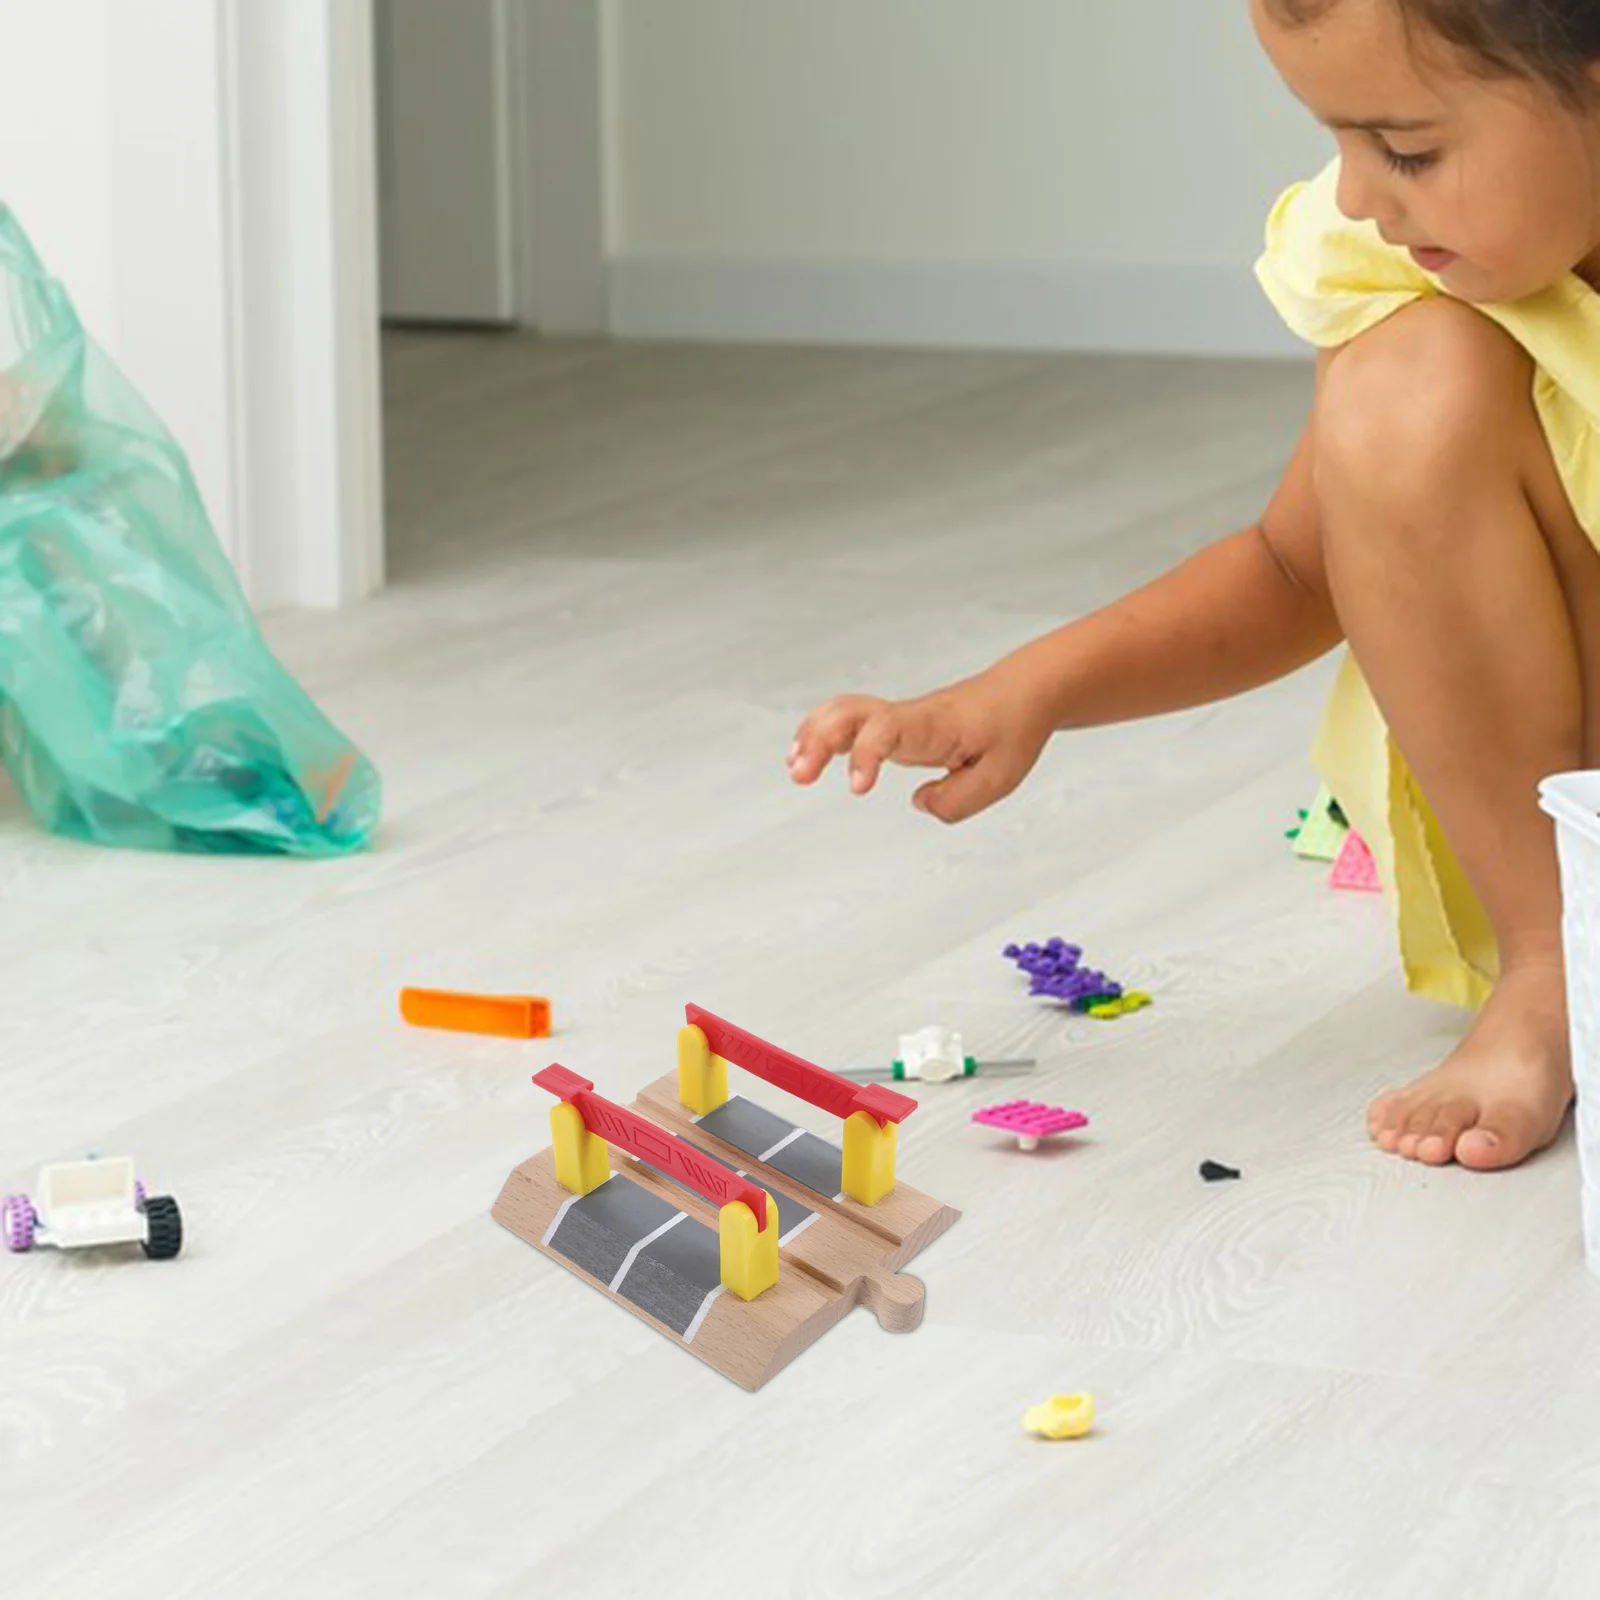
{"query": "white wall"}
pixel 189 171
pixel 109 157
pixel 55 169
pixel 908 160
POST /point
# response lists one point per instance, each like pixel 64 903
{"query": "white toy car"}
pixel 93 1202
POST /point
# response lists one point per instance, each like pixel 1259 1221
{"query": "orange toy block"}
pixel 502 1016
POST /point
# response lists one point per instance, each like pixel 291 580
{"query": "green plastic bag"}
pixel 139 704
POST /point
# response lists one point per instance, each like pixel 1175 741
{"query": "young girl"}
pixel 1440 516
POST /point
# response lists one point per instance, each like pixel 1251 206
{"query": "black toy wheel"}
pixel 164 1235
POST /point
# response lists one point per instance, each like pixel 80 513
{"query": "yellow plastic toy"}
pixel 749 1253
pixel 1110 1010
pixel 869 1152
pixel 1062 1416
pixel 702 1076
pixel 583 1161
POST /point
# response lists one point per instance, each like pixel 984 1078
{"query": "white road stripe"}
pixel 650 1238
pixel 799 1227
pixel 700 1315
pixel 795 1232
pixel 783 1144
pixel 555 1221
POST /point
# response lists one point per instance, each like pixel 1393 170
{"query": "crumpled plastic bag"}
pixel 139 704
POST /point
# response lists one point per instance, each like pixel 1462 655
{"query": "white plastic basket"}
pixel 1573 799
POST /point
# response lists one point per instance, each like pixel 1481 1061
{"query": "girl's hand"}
pixel 987 736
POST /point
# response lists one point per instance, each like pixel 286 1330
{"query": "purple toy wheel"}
pixel 140 1193
pixel 17 1219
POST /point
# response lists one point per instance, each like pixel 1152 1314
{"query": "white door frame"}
pixel 300 215
pixel 298 227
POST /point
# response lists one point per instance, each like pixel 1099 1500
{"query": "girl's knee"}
pixel 1421 406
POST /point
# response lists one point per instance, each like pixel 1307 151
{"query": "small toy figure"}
pixel 1062 1416
pixel 1030 1122
pixel 90 1203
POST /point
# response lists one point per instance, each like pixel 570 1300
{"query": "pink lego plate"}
pixel 1355 869
pixel 1030 1121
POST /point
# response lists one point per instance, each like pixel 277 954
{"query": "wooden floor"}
pixel 621 577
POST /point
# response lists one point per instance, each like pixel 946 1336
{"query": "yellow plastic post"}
pixel 702 1077
pixel 749 1253
pixel 869 1157
pixel 582 1162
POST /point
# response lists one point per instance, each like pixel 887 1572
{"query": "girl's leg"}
pixel 1471 598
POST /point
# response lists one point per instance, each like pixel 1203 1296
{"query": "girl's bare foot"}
pixel 1502 1095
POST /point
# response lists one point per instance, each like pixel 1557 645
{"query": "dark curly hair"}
pixel 1554 42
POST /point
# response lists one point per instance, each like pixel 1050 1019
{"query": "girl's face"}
pixel 1493 184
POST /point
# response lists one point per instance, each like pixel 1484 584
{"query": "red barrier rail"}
pixel 667 1153
pixel 823 1089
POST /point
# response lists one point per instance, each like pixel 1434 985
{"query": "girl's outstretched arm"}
pixel 1244 612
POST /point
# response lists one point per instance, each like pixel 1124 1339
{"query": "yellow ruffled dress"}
pixel 1331 280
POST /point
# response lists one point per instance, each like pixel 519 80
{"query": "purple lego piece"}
pixel 1057 973
pixel 18 1222
pixel 1030 1121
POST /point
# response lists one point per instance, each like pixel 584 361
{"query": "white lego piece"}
pixel 935 1055
pixel 85 1204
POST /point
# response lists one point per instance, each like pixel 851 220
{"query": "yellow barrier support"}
pixel 702 1077
pixel 582 1162
pixel 869 1157
pixel 749 1253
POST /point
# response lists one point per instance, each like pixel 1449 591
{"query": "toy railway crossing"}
pixel 683 1206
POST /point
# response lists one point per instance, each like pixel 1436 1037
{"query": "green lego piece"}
pixel 1089 1001
pixel 1322 838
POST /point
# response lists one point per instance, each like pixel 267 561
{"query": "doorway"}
pixel 452 167
pixel 288 104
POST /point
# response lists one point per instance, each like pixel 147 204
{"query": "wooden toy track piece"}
pixel 651 1247
pixel 499 1016
pixel 806 1081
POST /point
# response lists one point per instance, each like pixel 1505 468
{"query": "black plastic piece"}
pixel 1215 1172
pixel 165 1236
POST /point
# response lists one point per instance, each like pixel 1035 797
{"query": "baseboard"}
pixel 1099 306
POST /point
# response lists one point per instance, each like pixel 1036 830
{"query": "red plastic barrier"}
pixel 667 1153
pixel 821 1088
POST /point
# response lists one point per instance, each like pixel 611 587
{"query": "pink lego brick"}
pixel 1355 869
pixel 1030 1121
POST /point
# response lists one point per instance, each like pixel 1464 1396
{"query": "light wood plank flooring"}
pixel 621 577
